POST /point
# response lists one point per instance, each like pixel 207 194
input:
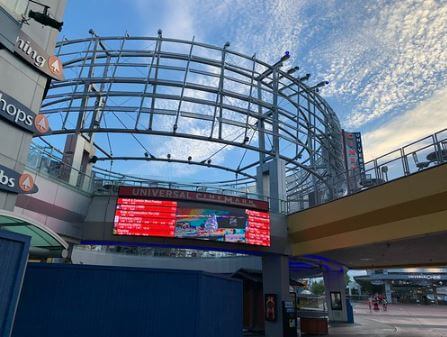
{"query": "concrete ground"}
pixel 399 320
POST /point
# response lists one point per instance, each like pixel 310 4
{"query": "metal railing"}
pixel 417 156
pixel 159 251
pixel 106 183
pixel 47 162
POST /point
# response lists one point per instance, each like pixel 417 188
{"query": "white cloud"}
pixel 387 61
pixel 382 59
pixel 175 18
pixel 427 118
pixel 178 22
pixel 267 28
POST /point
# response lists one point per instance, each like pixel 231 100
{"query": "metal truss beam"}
pixel 175 83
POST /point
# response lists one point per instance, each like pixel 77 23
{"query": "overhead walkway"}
pixel 396 217
pixel 400 223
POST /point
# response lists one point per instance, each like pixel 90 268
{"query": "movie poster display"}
pixel 191 220
pixel 271 310
pixel 336 300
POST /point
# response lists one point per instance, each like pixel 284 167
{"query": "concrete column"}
pixel 275 276
pixel 271 181
pixel 26 86
pixel 388 291
pixel 435 294
pixel 334 283
pixel 77 154
pixel 21 81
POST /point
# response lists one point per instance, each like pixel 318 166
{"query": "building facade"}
pixel 408 285
pixel 27 48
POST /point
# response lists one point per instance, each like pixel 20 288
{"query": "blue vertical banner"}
pixel 354 161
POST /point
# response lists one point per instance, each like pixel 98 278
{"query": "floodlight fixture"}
pixel 93 160
pixel 317 87
pixel 292 70
pixel 305 77
pixel 285 57
pixel 277 65
pixel 44 17
pixel 322 84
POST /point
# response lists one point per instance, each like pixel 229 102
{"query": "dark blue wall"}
pixel 14 250
pixel 96 301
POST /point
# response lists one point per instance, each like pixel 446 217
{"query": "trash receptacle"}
pixel 314 325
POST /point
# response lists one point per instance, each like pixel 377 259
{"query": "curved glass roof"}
pixel 43 240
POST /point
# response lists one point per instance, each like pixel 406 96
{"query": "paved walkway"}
pixel 399 320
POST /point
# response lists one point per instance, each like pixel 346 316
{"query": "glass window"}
pixel 17 7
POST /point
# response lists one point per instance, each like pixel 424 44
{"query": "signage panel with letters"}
pixel 34 54
pixel 12 181
pixel 18 114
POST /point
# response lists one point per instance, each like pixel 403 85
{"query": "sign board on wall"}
pixel 35 55
pixel 18 114
pixel 164 193
pixel 12 181
pixel 156 212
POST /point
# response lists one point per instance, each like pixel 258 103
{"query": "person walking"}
pixel 370 303
pixel 384 304
pixel 376 302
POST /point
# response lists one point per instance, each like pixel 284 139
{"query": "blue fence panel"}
pixel 14 250
pixel 97 301
pixel 221 307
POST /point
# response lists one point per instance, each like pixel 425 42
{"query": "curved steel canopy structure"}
pixel 160 87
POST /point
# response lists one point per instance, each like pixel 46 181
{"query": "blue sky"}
pixel 386 60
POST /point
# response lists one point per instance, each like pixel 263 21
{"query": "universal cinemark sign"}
pixel 163 193
pixel 18 114
pixel 15 182
pixel 32 53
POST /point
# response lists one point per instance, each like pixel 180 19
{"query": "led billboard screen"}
pixel 192 220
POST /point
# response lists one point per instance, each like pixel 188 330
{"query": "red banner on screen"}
pixel 180 219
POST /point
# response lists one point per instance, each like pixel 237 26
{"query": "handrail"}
pixel 432 151
pixel 406 160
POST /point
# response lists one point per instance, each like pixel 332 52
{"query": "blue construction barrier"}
pixel 14 250
pixel 97 301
